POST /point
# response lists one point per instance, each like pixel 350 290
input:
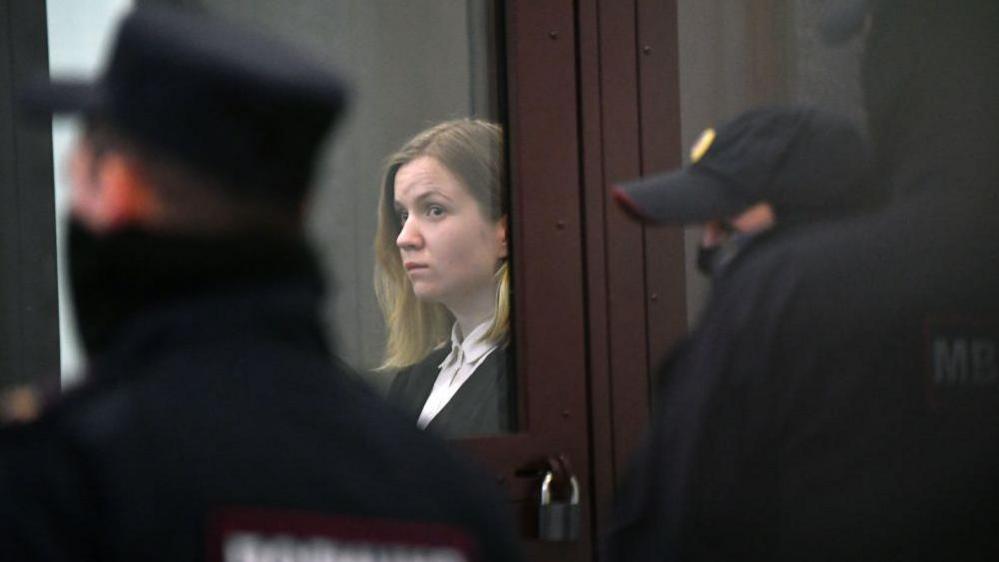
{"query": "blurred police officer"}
pixel 841 402
pixel 214 425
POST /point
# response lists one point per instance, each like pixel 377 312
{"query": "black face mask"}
pixel 111 276
pixel 706 257
pixel 116 276
pixel 712 261
pixel 86 255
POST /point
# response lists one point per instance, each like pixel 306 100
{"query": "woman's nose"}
pixel 409 235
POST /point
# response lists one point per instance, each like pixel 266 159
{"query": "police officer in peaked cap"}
pixel 214 424
pixel 841 400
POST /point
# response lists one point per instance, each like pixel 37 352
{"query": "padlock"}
pixel 558 520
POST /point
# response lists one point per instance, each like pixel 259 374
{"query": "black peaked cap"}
pixel 235 105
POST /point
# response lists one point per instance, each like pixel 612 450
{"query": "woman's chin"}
pixel 426 294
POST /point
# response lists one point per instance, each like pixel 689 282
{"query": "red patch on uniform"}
pixel 258 535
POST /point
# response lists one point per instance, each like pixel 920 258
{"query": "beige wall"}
pixel 410 64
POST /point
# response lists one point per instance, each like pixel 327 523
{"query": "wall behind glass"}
pixel 410 64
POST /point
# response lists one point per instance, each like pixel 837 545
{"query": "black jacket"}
pixel 219 411
pixel 840 400
pixel 832 406
pixel 481 406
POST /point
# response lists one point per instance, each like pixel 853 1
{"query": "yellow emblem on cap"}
pixel 702 145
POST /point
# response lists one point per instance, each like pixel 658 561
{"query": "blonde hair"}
pixel 472 150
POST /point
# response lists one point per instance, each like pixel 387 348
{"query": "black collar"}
pixel 118 277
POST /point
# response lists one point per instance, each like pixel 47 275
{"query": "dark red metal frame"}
pixel 636 301
pixel 592 97
pixel 549 322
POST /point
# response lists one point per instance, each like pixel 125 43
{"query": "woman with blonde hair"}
pixel 442 279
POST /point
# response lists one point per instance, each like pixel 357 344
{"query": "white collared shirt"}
pixel 466 356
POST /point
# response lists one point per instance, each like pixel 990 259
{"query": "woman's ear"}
pixel 502 238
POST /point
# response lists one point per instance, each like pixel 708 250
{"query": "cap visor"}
pixel 42 97
pixel 680 197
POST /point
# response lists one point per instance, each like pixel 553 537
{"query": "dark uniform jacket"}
pixel 480 407
pixel 840 402
pixel 214 422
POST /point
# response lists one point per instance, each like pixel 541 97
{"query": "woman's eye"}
pixel 402 216
pixel 435 211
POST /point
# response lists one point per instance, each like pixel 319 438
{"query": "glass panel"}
pixel 425 98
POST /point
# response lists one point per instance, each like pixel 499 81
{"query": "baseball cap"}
pixel 806 162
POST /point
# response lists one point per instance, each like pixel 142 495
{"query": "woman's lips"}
pixel 410 266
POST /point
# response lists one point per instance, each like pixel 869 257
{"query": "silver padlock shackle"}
pixel 546 489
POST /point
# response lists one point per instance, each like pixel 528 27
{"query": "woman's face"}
pixel 450 248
